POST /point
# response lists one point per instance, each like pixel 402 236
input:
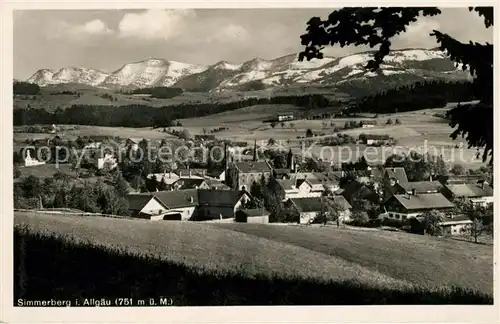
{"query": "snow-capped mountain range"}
pixel 284 70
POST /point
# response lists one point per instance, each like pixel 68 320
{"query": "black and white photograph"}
pixel 167 157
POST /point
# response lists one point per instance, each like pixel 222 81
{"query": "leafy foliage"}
pixel 373 27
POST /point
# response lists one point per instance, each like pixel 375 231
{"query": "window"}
pixel 403 217
pixel 390 215
pixel 397 216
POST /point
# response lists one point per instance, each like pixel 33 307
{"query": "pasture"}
pixel 418 131
pixel 244 264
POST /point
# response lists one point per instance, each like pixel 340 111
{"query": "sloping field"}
pixel 241 264
pixel 203 247
pixel 422 260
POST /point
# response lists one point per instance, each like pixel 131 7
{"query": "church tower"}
pixel 290 160
pixel 255 157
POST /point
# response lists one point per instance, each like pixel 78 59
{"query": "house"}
pixel 169 178
pixel 133 143
pixel 285 117
pixel 215 184
pixel 190 183
pixel 244 174
pixel 309 208
pixel 315 186
pixel 330 180
pixel 29 161
pixel 219 174
pixel 368 123
pixel 93 145
pixel 288 188
pixel 395 175
pixel 257 215
pixel 371 139
pixel 401 207
pixel 107 160
pixel 220 204
pixel 345 212
pixel 418 187
pixel 191 172
pixel 455 224
pixel 450 225
pixel 164 205
pixel 479 193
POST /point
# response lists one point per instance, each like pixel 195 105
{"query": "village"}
pixel 269 185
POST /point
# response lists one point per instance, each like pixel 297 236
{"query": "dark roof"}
pixel 457 179
pixel 189 183
pixel 378 137
pixel 342 202
pixel 210 197
pixel 455 218
pixel 398 173
pixel 216 184
pixel 282 171
pixel 139 200
pixel 423 201
pixel 286 184
pixel 177 198
pixel 310 204
pixel 252 166
pixel 421 186
pixel 256 212
pixel 185 172
pixel 470 190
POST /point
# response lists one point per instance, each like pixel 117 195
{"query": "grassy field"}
pixel 202 264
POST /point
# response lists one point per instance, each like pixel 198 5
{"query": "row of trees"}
pixel 127 116
pixel 25 88
pixel 420 95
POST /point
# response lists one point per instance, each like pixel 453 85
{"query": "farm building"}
pixel 219 204
pixel 285 116
pixel 478 193
pixel 418 187
pixel 401 207
pixel 450 225
pixel 189 204
pixel 164 205
pixel 373 139
pixel 368 123
pixel 461 179
pixel 190 183
pixel 257 215
pixel 309 208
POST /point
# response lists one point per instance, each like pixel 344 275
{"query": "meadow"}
pixel 215 264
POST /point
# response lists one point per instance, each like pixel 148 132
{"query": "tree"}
pixel 458 169
pixel 292 125
pixel 185 134
pixel 309 133
pixel 474 230
pixel 388 122
pixel 431 222
pixel 272 124
pixel 17 173
pixel 282 124
pixel 330 211
pixel 370 26
pixel 271 141
pixel 397 122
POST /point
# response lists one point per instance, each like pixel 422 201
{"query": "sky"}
pixel 107 39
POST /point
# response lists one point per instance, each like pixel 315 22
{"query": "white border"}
pixel 282 314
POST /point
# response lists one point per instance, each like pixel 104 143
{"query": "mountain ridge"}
pixel 281 71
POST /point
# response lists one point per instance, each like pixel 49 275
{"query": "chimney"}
pixel 413 192
pixel 170 175
pixel 190 173
pixel 482 184
pixel 430 177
